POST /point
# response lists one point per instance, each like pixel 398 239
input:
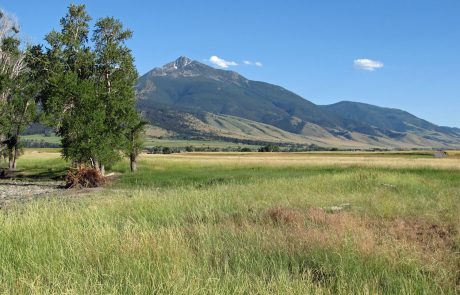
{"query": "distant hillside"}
pixel 192 99
pixel 394 122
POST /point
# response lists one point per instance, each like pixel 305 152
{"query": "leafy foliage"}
pixel 17 90
pixel 269 148
pixel 88 93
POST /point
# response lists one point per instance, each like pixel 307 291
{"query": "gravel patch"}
pixel 23 191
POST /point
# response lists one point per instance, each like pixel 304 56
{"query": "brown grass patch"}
pixel 317 227
pixel 430 237
pixel 368 234
pixel 340 225
pixel 280 215
pixel 429 243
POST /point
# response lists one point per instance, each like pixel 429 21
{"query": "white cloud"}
pixel 222 63
pixel 215 60
pixel 253 63
pixel 368 64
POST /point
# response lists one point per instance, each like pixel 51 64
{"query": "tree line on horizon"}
pixel 81 83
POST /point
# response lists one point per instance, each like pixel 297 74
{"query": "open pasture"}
pixel 241 223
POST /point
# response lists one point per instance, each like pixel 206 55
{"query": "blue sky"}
pixel 395 53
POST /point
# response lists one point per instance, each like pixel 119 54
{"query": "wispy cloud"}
pixel 215 60
pixel 368 64
pixel 222 63
pixel 253 63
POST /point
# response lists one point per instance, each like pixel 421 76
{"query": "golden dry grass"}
pixel 311 159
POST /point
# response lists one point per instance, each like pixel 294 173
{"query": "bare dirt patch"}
pixel 23 191
pixel 429 236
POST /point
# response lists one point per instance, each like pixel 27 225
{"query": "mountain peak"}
pixel 182 62
pixel 184 67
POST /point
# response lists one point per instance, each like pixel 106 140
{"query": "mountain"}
pixel 393 121
pixel 191 99
pixel 187 84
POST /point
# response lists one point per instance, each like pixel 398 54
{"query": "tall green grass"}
pixel 179 227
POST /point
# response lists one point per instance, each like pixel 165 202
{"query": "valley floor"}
pixel 240 223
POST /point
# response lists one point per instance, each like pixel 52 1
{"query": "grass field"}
pixel 222 145
pixel 241 223
pixel 176 143
pixel 151 142
pixel 39 137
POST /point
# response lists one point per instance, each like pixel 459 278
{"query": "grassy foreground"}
pixel 243 224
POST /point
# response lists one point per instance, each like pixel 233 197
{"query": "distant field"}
pixel 176 143
pixel 241 223
pixel 150 142
pixel 454 153
pixel 38 137
pixel 195 143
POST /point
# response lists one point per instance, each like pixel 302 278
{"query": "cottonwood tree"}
pixel 17 90
pixel 69 94
pixel 116 77
pixel 88 91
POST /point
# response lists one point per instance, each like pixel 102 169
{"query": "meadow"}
pixel 241 223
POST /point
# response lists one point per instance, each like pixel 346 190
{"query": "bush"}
pixel 84 177
pixel 269 148
pixel 246 149
pixel 167 150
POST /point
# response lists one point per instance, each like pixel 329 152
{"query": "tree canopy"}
pixel 17 89
pixel 87 83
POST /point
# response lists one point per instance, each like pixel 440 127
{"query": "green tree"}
pixel 17 90
pixel 88 91
pixel 69 95
pixel 116 77
pixel 269 148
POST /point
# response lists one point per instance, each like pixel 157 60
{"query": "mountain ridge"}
pixel 193 88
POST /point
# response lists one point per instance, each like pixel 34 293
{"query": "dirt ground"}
pixel 23 190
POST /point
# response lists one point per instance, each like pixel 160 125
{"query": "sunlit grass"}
pixel 243 224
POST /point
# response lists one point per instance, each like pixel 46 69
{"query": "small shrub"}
pixel 269 148
pixel 167 150
pixel 84 177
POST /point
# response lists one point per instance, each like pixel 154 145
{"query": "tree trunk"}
pixel 12 156
pixel 102 169
pixel 133 163
pixel 10 161
pixel 95 164
pixel 15 157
